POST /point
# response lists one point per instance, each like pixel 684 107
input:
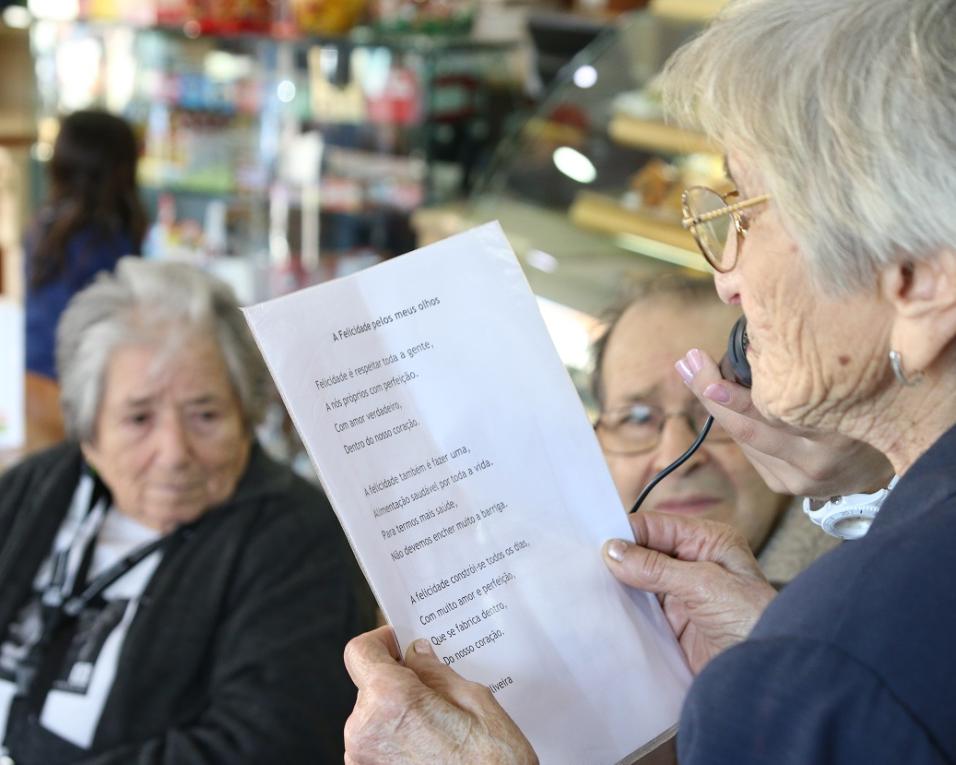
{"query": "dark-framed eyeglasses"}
pixel 638 427
pixel 708 216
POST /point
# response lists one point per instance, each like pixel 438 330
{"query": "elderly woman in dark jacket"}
pixel 170 594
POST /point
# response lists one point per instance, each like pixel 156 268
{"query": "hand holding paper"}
pixel 429 714
pixel 457 456
pixel 710 585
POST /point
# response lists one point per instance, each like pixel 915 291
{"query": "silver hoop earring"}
pixel 896 362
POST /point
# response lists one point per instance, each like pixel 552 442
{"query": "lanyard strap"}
pixel 77 603
pixel 58 605
pixel 55 613
pixel 56 598
pixel 56 590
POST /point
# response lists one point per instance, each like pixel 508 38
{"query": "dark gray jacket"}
pixel 235 652
pixel 854 662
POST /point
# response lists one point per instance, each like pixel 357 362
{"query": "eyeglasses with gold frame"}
pixel 707 215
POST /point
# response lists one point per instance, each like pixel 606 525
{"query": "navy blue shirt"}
pixel 88 252
pixel 855 661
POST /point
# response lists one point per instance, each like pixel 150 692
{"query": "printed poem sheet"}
pixel 461 464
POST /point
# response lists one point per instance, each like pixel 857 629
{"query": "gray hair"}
pixel 140 302
pixel 846 109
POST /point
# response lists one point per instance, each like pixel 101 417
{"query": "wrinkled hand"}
pixel 704 574
pixel 790 460
pixel 423 711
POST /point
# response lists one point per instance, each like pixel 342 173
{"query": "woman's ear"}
pixel 923 296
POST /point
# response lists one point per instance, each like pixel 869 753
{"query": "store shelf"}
pixel 657 137
pixel 417 41
pixel 597 212
pixel 555 133
pixel 199 188
pixel 688 10
pixel 15 131
pixel 280 135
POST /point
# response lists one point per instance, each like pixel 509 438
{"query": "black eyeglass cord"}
pixel 675 464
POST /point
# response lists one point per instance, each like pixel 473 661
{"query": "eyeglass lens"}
pixel 639 427
pixel 712 234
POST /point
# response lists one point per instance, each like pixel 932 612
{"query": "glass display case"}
pixel 588 189
pixel 274 156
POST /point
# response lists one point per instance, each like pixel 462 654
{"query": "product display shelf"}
pixel 656 136
pixel 16 131
pixel 598 160
pixel 301 157
pixel 607 215
pixel 365 36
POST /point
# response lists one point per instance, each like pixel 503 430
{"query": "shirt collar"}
pixel 930 481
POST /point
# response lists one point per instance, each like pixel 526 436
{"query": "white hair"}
pixel 146 301
pixel 846 110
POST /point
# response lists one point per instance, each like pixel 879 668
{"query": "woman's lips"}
pixel 693 505
pixel 191 488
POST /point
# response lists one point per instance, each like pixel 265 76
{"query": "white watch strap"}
pixel 850 516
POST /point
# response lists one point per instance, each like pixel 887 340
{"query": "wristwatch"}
pixel 849 516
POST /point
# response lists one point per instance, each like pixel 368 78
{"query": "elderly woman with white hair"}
pixel 839 244
pixel 169 593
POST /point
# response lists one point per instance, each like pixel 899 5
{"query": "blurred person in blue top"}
pixel 92 218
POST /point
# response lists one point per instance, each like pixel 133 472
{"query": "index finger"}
pixel 737 414
pixel 370 650
pixel 739 401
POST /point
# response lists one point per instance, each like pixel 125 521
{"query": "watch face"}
pixel 851 527
pixel 848 517
pixel 843 517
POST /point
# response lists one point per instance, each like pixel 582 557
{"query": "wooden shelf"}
pixel 598 212
pixel 656 136
pixel 16 131
pixel 688 10
pixel 543 130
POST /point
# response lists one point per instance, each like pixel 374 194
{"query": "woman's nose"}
pixel 172 442
pixel 727 285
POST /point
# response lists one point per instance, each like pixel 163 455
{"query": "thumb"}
pixel 654 571
pixel 682 539
pixel 366 654
pixel 472 697
pixel 431 670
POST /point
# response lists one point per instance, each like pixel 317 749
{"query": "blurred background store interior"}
pixel 288 142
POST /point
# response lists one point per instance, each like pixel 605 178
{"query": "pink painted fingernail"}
pixel 717 392
pixel 684 371
pixel 422 646
pixel 695 360
pixel 616 549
